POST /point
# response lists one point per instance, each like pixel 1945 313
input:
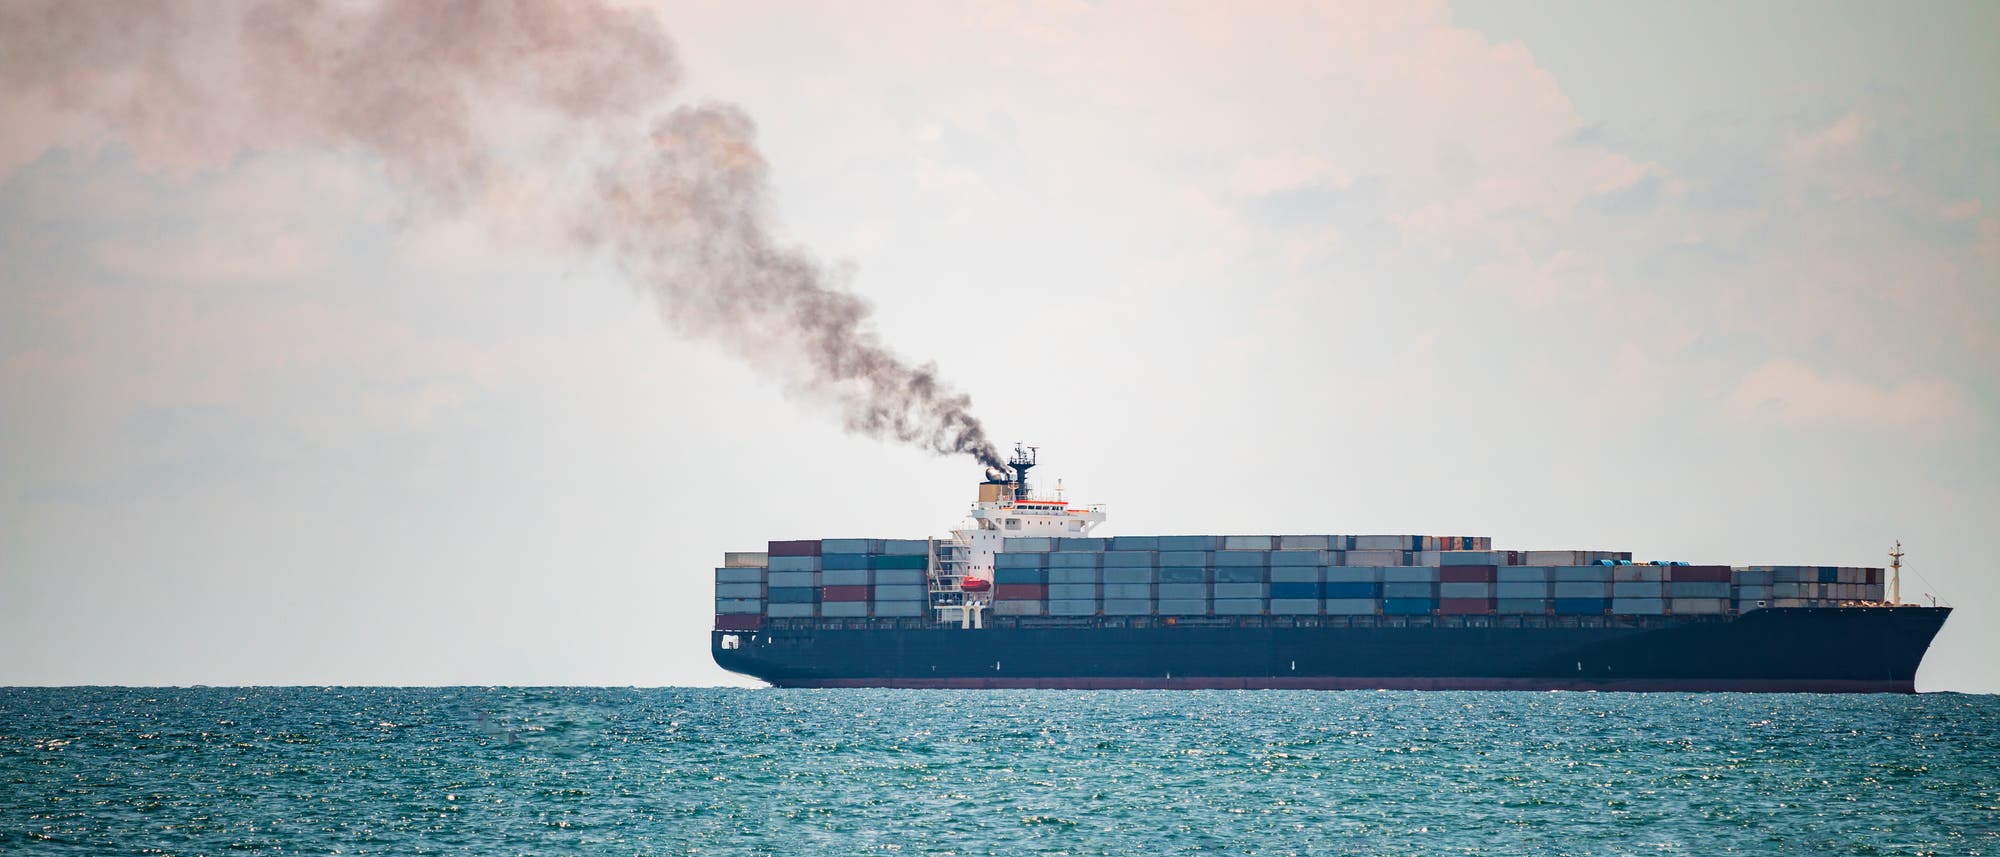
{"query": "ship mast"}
pixel 1896 574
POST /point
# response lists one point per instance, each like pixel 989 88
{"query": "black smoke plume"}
pixel 438 90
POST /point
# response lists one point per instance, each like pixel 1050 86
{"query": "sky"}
pixel 1717 283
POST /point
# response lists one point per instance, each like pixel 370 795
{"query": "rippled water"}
pixel 620 771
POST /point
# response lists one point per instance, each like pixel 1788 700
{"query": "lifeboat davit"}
pixel 975 584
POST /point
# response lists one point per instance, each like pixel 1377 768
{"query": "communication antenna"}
pixel 1896 574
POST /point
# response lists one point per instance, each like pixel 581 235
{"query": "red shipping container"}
pixel 1698 574
pixel 844 593
pixel 738 622
pixel 1466 574
pixel 1465 606
pixel 1874 575
pixel 1020 592
pixel 809 547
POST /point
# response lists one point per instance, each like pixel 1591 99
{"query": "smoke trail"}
pixel 429 87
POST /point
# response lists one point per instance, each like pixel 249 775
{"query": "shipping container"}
pixel 1353 574
pixel 1294 606
pixel 1238 606
pixel 1450 558
pixel 1017 608
pixel 1129 575
pixel 846 577
pixel 1295 590
pixel 745 559
pixel 1083 545
pixel 1381 543
pixel 791 610
pixel 1408 606
pixel 888 561
pixel 1410 574
pixel 1698 574
pixel 1465 606
pixel 861 546
pixel 1584 574
pixel 1638 606
pixel 1521 589
pixel 1072 591
pixel 1309 559
pixel 739 590
pixel 1019 592
pixel 1020 560
pixel 1185 558
pixel 1230 574
pixel 809 547
pixel 1637 589
pixel 1580 606
pixel 1073 607
pixel 1135 543
pixel 1578 589
pixel 844 560
pixel 1183 606
pixel 1372 557
pixel 843 593
pixel 899 577
pixel 739 621
pixel 1760 577
pixel 1128 606
pixel 1521 606
pixel 795 563
pixel 1190 543
pixel 739 575
pixel 1554 557
pixel 1638 574
pixel 1249 543
pixel 1696 606
pixel 1466 574
pixel 1332 590
pixel 1224 590
pixel 1028 544
pixel 1130 559
pixel 1465 590
pixel 1305 543
pixel 792 594
pixel 739 606
pixel 844 609
pixel 1242 559
pixel 898 608
pixel 898 592
pixel 1351 606
pixel 1126 591
pixel 1409 590
pixel 793 578
pixel 1679 589
pixel 1297 573
pixel 907 547
pixel 1426 558
pixel 1073 575
pixel 1176 574
pixel 1182 592
pixel 1005 576
pixel 1075 560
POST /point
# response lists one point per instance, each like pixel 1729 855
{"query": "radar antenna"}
pixel 1023 460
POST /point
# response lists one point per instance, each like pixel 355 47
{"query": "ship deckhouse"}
pixel 1007 508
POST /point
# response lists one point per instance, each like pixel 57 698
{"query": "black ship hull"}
pixel 1812 650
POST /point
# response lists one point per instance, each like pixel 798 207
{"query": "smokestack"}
pixel 432 88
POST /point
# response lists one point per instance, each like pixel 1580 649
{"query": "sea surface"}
pixel 667 771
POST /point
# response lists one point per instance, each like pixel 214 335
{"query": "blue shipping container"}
pixel 793 595
pixel 1352 590
pixel 1581 606
pixel 1295 590
pixel 1190 543
pixel 1020 575
pixel 844 560
pixel 1408 606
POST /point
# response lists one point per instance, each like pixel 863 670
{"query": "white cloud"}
pixel 1793 393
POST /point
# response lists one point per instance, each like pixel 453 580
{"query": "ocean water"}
pixel 725 772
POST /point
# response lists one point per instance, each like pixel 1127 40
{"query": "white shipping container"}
pixel 1694 606
pixel 1240 590
pixel 1372 557
pixel 1178 591
pixel 1068 591
pixel 1433 556
pixel 1351 606
pixel 1305 543
pixel 1382 543
pixel 1553 557
pixel 898 593
pixel 1248 543
pixel 1239 607
pixel 844 609
pixel 745 559
pixel 1294 606
pixel 1072 575
pixel 1017 608
pixel 1128 607
pixel 1127 590
pixel 1183 606
pixel 1073 607
pixel 898 608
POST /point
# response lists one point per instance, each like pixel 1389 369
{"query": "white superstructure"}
pixel 1006 509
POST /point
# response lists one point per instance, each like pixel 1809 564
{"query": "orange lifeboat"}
pixel 974 584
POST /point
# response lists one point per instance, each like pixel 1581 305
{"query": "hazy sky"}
pixel 1717 283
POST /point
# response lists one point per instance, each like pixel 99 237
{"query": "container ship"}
pixel 1023 596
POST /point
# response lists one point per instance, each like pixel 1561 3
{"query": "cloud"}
pixel 1829 140
pixel 1792 393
